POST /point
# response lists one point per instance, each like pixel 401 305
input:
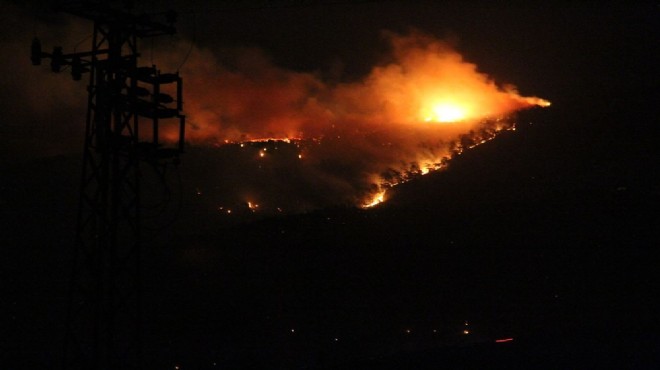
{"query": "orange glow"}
pixel 446 112
pixel 408 116
pixel 252 206
pixel 426 80
pixel 375 200
pixel 504 340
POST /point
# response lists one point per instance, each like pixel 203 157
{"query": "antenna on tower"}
pixel 130 109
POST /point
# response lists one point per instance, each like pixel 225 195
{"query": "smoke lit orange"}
pixel 405 118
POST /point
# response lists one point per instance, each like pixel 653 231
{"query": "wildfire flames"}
pixel 352 140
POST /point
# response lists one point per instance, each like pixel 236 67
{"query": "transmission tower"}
pixel 129 111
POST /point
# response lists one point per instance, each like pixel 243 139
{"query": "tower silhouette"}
pixel 129 108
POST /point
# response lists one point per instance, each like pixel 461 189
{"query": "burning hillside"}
pixel 345 142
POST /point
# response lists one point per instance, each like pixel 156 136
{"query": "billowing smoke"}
pixel 425 79
pixel 348 141
pixel 265 138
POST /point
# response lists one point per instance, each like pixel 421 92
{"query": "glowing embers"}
pixel 252 179
pixel 264 171
pixel 252 206
pixel 375 200
pixel 267 146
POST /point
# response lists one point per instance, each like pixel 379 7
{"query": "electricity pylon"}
pixel 129 108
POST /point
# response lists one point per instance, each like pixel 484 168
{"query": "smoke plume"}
pixel 267 139
pixel 348 141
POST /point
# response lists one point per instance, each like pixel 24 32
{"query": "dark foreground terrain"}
pixel 548 235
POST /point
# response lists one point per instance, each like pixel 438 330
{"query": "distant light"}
pixel 293 330
pixel 336 339
pixel 466 332
pixel 503 340
pixel 408 331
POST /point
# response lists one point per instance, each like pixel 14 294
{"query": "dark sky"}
pixel 528 44
pixel 565 203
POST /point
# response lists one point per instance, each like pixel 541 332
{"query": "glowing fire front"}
pixel 404 119
pixel 490 129
pixel 375 200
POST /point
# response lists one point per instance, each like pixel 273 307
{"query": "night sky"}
pixel 546 234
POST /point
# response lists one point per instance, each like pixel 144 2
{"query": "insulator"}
pixel 167 78
pixel 141 91
pixel 56 59
pixel 35 56
pixel 163 98
pixel 151 110
pixel 145 73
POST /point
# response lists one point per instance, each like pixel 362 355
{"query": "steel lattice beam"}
pixel 122 130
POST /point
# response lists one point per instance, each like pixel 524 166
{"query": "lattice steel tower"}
pixel 129 109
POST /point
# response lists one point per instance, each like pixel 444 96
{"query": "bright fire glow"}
pixel 408 116
pixel 376 199
pixel 446 112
